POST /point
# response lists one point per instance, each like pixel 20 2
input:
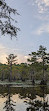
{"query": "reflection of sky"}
pixel 2 100
pixel 20 104
pixel 34 24
pixel 42 99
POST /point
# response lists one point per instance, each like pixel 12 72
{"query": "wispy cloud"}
pixel 42 29
pixel 22 58
pixel 4 52
pixel 37 31
pixel 42 5
pixel 46 2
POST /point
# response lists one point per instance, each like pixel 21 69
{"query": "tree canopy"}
pixel 6 26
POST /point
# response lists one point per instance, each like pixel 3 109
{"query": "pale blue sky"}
pixel 34 24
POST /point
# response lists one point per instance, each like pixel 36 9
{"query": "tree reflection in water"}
pixel 9 103
pixel 35 98
pixel 39 105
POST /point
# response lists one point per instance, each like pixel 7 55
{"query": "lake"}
pixel 24 98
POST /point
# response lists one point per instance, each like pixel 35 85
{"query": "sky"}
pixel 33 22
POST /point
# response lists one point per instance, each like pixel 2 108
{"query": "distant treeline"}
pixel 24 71
pixel 37 69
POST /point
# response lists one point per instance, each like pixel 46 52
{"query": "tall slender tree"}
pixel 40 54
pixel 45 60
pixel 33 61
pixel 11 59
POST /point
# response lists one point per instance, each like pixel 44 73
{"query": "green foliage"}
pixel 25 71
pixel 41 51
pixel 37 66
pixel 11 59
pixel 6 26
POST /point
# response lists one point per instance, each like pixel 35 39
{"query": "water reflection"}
pixel 9 103
pixel 40 103
pixel 24 99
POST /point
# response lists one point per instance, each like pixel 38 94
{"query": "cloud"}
pixel 42 29
pixel 41 5
pixel 39 60
pixel 3 54
pixel 22 58
pixel 46 2
pixel 3 58
pixel 37 32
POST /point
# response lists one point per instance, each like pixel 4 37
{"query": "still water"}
pixel 24 99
